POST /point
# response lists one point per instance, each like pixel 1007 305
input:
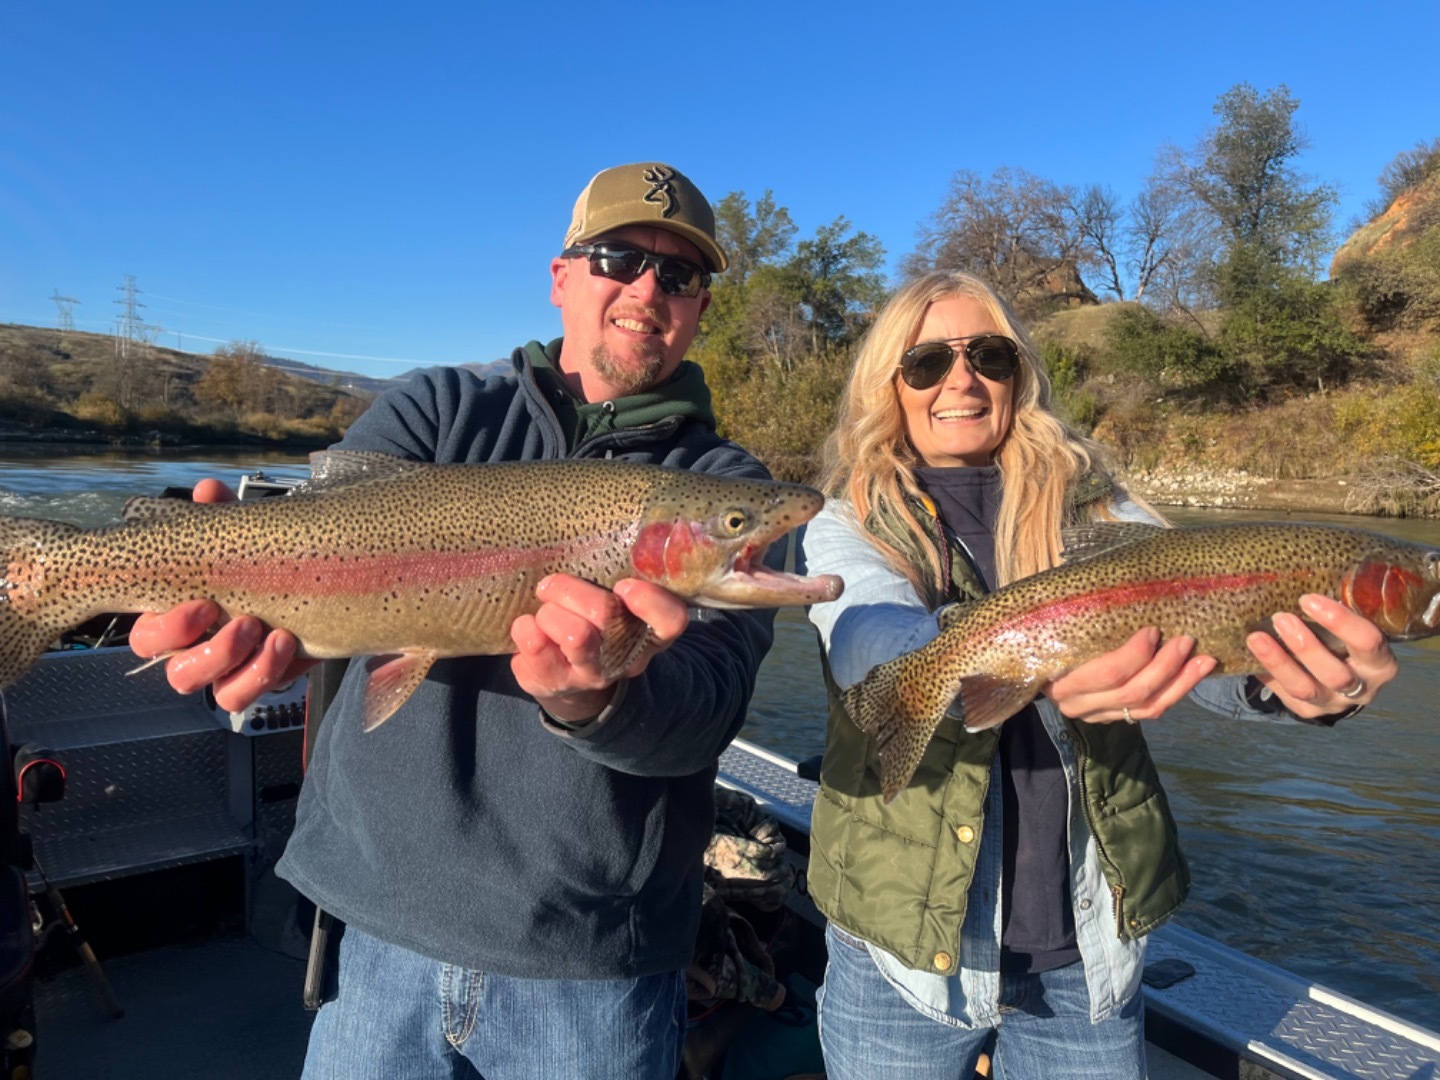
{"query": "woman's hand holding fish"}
pixel 1138 681
pixel 559 661
pixel 1307 676
pixel 243 659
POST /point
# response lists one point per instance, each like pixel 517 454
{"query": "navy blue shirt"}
pixel 1038 925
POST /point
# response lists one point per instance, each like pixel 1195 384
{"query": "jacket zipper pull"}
pixel 1117 893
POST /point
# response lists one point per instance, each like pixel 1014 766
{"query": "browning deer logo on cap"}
pixel 659 177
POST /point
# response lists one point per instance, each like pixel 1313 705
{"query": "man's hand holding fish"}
pixel 560 657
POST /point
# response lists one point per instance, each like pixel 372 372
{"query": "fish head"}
pixel 1398 591
pixel 704 538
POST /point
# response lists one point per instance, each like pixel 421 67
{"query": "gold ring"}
pixel 1356 690
pixel 1126 710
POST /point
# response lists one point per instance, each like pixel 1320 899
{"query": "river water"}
pixel 1315 849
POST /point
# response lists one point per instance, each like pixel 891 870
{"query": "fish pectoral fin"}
pixel 986 700
pixel 157 659
pixel 390 681
pixel 622 641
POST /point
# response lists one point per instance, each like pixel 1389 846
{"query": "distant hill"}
pixel 77 385
pixel 348 379
pixel 485 370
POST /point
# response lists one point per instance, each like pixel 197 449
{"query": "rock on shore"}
pixel 1237 489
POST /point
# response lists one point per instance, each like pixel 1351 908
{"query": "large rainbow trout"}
pixel 408 562
pixel 1214 583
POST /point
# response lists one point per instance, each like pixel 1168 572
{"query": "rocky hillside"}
pixel 1391 265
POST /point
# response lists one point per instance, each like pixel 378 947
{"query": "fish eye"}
pixel 734 522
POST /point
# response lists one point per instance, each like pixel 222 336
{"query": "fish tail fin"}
pixel 30 618
pixel 900 708
pixel 900 714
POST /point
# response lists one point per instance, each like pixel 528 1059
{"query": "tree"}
pixel 1242 172
pixel 842 283
pixel 232 378
pixel 1097 215
pixel 752 239
pixel 775 341
pixel 1017 232
pixel 777 302
pixel 1268 227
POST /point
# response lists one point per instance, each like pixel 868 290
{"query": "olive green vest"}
pixel 899 875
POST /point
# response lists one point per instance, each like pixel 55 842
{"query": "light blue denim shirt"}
pixel 880 617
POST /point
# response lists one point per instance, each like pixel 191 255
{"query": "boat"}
pixel 161 944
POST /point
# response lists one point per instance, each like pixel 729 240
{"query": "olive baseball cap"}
pixel 649 193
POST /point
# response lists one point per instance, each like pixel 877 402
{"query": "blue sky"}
pixel 373 186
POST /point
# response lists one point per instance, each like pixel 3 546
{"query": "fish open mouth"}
pixel 750 583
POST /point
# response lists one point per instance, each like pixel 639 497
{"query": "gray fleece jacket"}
pixel 468 829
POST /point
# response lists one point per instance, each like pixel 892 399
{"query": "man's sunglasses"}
pixel 677 276
pixel 991 355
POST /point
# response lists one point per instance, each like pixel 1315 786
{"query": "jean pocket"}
pixel 849 940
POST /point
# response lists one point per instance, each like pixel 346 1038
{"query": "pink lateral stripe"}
pixel 365 574
pixel 1119 596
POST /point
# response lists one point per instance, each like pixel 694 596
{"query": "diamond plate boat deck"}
pixel 1255 1016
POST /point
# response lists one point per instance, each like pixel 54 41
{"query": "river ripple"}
pixel 1315 849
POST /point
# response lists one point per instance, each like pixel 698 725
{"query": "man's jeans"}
pixel 403 1016
pixel 867 1030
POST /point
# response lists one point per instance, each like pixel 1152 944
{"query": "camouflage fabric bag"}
pixel 730 963
pixel 744 865
pixel 745 862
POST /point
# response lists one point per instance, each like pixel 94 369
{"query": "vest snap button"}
pixel 943 960
pixel 965 834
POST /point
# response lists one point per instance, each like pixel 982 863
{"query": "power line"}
pixel 66 304
pixel 129 329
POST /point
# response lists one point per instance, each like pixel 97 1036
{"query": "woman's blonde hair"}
pixel 869 460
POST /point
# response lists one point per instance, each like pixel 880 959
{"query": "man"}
pixel 516 853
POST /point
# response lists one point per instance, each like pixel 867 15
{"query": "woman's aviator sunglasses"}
pixel 992 356
pixel 622 263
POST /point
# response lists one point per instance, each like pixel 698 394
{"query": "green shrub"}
pixel 1139 341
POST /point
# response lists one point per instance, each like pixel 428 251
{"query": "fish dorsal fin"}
pixel 153 507
pixel 951 614
pixel 1087 541
pixel 332 469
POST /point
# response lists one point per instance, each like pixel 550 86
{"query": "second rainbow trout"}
pixel 1213 583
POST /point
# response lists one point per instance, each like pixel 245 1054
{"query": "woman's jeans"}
pixel 403 1016
pixel 867 1030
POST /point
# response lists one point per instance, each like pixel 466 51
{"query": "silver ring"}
pixel 1356 690
pixel 1126 710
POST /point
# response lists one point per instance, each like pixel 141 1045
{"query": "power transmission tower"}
pixel 66 304
pixel 129 328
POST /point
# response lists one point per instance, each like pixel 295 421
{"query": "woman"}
pixel 1008 889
